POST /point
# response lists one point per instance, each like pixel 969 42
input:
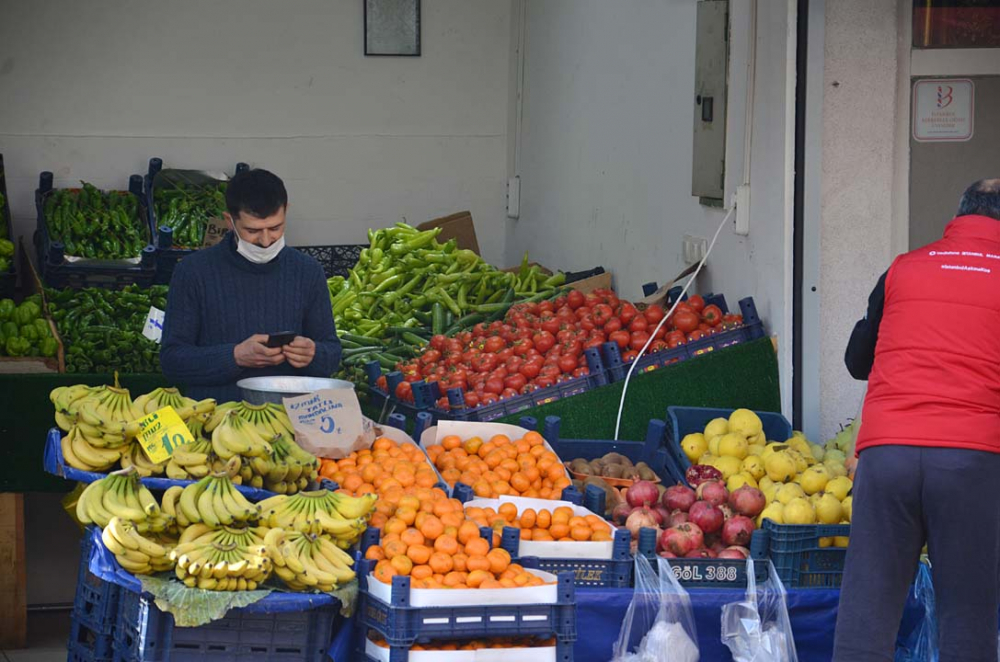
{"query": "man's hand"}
pixel 299 352
pixel 253 353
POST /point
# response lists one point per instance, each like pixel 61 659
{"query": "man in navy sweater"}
pixel 225 300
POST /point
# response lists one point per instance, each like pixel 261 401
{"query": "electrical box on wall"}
pixel 710 86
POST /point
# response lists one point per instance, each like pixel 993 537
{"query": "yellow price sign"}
pixel 161 432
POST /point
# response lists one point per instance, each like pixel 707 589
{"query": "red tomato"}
pixel 697 334
pixel 660 333
pixel 382 384
pixel 582 311
pixel 430 356
pixel 638 324
pixel 404 391
pixel 513 364
pixel 627 313
pixel 587 324
pixel 443 404
pixel 438 342
pixel 686 320
pixel 612 325
pixel 494 344
pixel 559 303
pixel 508 393
pixel 712 315
pixel 593 299
pixel 706 328
pixel 550 370
pixel 531 369
pixel 521 347
pixel 515 381
pixel 622 338
pixel 546 307
pixel 471 400
pixel 581 372
pixel 488 399
pixel 630 355
pixel 544 382
pixel 505 353
pixel 567 363
pixel 638 340
pixel 593 342
pixel 657 346
pixel 675 339
pixel 572 347
pixel 601 313
pixel 653 314
pixel 551 324
pixel 494 385
pixel 452 346
pixel 575 299
pixel 697 303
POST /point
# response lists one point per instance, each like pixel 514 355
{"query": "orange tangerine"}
pixel 419 554
pixel 499 559
pixel 441 563
pixel 461 561
pixel 477 547
pixel 401 564
pixel 412 537
pixel 477 577
pixel 478 562
pixel 394 548
pixel 384 572
pixel 375 552
pixel 446 545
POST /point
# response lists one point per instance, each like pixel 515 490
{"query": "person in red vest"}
pixel 929 445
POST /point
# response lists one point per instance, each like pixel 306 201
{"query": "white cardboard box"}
pixel 541 654
pixel 552 550
pixel 473 597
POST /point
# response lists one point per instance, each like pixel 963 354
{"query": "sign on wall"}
pixel 943 110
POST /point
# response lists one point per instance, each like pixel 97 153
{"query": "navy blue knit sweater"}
pixel 218 299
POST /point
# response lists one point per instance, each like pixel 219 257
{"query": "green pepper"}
pixel 49 347
pixel 17 346
pixel 42 327
pixel 10 329
pixel 29 332
pixel 26 313
pixel 6 248
pixel 7 307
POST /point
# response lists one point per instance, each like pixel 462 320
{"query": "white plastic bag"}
pixel 758 629
pixel 659 623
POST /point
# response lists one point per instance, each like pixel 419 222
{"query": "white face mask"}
pixel 257 254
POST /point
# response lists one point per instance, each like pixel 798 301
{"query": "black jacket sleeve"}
pixel 860 353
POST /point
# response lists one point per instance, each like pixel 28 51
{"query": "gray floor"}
pixel 47 636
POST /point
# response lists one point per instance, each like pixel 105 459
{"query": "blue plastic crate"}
pixel 710 573
pixel 752 329
pixel 401 625
pixel 56 272
pixel 95 605
pixel 426 395
pixel 146 634
pixel 615 572
pixel 86 645
pixel 167 255
pixel 563 653
pixel 54 463
pixel 650 450
pixel 797 556
pixel 682 421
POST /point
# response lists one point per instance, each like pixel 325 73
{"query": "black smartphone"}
pixel 280 339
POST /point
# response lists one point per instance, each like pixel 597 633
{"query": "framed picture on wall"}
pixel 392 27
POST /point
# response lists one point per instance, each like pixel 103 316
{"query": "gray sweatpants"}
pixel 904 497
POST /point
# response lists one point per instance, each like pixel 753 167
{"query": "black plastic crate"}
pixel 167 255
pixel 146 634
pixel 59 273
pixel 95 605
pixel 8 278
pixel 336 260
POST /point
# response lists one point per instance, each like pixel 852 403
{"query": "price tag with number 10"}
pixel 161 432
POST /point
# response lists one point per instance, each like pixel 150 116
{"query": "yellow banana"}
pixel 188 503
pixel 169 500
pixel 194 532
pixel 97 457
pixel 205 511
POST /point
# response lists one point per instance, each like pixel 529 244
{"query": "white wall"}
pixel 92 90
pixel 859 141
pixel 606 147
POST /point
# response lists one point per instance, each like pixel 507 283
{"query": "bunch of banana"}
pixel 233 436
pixel 81 451
pixel 122 495
pixel 135 456
pixel 307 560
pixel 64 399
pixel 163 397
pixel 227 559
pixel 213 500
pixel 190 461
pixel 292 468
pixel 320 511
pixel 134 552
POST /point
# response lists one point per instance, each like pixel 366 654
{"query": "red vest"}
pixel 936 377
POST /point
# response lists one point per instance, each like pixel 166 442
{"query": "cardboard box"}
pixel 458 226
pixel 588 285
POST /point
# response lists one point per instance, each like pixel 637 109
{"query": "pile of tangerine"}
pixel 437 547
pixel 522 467
pixel 389 469
pixel 561 524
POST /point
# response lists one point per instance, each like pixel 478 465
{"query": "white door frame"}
pixel 914 62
